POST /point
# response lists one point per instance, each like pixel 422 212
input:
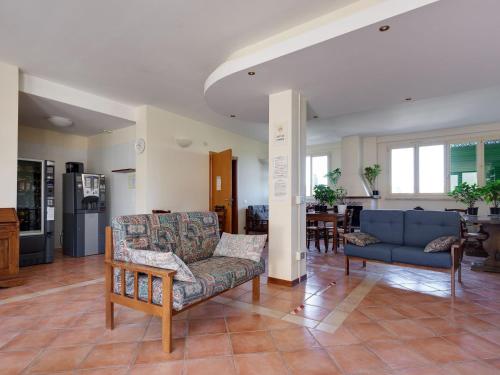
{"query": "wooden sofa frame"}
pixel 457 252
pixel 165 311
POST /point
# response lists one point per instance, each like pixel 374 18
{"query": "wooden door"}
pixel 221 192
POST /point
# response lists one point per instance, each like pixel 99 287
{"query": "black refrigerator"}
pixel 35 210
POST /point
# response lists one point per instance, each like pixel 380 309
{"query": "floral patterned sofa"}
pixel 193 237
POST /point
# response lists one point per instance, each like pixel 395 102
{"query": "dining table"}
pixel 327 217
pixel 491 226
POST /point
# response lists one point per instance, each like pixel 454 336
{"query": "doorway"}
pixel 223 188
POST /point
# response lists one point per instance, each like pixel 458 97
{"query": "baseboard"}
pixel 273 280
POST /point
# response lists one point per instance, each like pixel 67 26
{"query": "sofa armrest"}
pixel 457 252
pixel 133 267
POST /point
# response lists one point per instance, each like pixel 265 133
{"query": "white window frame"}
pixel 416 177
pixel 312 155
pixel 480 140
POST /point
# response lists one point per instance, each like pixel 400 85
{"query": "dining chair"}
pixel 314 230
pixel 347 225
pixel 331 230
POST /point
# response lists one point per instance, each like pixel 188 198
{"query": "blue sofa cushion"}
pixel 421 227
pixel 386 225
pixel 377 251
pixel 416 256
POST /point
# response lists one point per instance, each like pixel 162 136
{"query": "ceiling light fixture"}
pixel 183 142
pixel 408 99
pixel 251 73
pixel 384 28
pixel 232 116
pixel 315 116
pixel 60 122
pixel 107 131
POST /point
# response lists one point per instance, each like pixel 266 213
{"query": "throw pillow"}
pixel 165 260
pixel 361 239
pixel 442 243
pixel 241 246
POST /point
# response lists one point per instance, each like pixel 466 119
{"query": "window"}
pixel 463 164
pixel 402 170
pixel 437 169
pixel 492 160
pixel 316 169
pixel 431 169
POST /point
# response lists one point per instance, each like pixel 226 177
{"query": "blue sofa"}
pixel 404 235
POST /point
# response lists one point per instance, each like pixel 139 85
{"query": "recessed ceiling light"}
pixel 107 131
pixel 60 122
pixel 384 28
pixel 232 116
pixel 251 73
pixel 408 99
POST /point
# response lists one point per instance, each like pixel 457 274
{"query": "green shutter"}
pixel 492 160
pixel 462 159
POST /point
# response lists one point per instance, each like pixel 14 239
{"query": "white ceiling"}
pixel 442 55
pixel 156 52
pixel 35 110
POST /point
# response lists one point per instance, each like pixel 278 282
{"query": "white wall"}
pixel 107 152
pixel 9 84
pixel 334 150
pixel 41 144
pixel 170 177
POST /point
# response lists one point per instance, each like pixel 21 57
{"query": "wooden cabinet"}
pixel 9 246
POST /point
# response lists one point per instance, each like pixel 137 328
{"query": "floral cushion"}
pixel 130 231
pixel 165 232
pixel 442 243
pixel 165 260
pixel 213 276
pixel 361 239
pixel 199 235
pixel 241 246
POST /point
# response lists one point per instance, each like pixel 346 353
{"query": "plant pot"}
pixel 341 208
pixel 495 210
pixel 375 194
pixel 320 208
pixel 472 211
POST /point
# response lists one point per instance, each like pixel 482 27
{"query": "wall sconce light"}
pixel 183 142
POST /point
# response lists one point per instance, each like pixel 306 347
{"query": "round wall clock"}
pixel 140 145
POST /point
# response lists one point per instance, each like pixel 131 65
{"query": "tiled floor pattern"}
pixel 387 320
pixel 64 271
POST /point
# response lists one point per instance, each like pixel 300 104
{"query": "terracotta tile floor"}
pixel 386 320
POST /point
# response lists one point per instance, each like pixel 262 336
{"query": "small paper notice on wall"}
pixel 50 213
pixel 280 188
pixel 279 136
pixel 218 183
pixel 280 167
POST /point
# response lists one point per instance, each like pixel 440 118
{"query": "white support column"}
pixel 287 213
pixel 9 93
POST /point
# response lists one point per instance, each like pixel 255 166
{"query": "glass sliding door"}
pixel 30 209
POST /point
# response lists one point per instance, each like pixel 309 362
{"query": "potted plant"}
pixel 468 195
pixel 371 173
pixel 491 194
pixel 340 195
pixel 323 195
pixel 333 176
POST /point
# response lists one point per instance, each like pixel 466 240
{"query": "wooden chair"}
pixel 478 236
pixel 346 225
pixel 221 215
pixel 336 232
pixel 314 230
